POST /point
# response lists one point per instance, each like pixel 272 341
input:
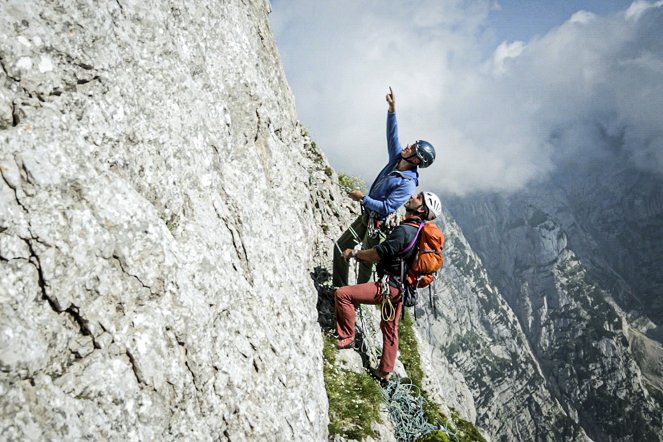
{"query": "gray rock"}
pixel 160 209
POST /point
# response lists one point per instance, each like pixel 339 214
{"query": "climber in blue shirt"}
pixel 393 186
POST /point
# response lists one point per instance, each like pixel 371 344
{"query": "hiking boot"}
pixel 345 343
pixel 381 375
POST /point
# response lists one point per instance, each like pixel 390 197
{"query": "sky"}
pixel 506 91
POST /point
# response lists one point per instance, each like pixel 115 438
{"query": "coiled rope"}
pixel 387 308
pixel 406 408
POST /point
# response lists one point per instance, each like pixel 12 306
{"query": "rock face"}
pixel 160 208
pixel 577 258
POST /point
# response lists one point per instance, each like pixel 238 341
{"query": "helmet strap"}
pixel 407 159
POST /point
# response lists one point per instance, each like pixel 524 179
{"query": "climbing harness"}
pixel 406 409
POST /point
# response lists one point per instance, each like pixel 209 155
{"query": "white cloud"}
pixel 639 7
pixel 497 121
pixel 505 51
pixel 582 17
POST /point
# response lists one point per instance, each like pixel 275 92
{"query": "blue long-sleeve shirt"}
pixel 391 187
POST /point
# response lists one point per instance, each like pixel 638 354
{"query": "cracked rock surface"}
pixel 160 208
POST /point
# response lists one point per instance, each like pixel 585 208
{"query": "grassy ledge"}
pixel 354 398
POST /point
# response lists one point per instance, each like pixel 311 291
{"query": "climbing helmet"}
pixel 425 152
pixel 433 204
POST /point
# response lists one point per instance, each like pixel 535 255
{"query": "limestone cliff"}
pixel 160 208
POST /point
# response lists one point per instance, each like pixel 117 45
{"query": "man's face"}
pixel 410 152
pixel 415 202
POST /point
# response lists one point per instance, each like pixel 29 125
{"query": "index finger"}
pixel 390 91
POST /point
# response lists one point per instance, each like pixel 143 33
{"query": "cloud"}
pixel 498 118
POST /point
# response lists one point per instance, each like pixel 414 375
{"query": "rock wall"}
pixel 160 208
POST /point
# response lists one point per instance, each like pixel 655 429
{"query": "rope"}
pixel 367 331
pixel 406 409
pixel 387 308
pixel 355 235
pixel 356 238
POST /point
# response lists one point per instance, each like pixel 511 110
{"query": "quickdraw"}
pixel 373 225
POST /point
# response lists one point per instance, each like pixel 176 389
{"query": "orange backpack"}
pixel 428 258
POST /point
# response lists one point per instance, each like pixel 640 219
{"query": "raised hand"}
pixel 391 99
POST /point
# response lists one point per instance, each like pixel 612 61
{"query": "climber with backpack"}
pixel 395 183
pixel 403 260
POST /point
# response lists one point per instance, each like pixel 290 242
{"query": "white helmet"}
pixel 433 204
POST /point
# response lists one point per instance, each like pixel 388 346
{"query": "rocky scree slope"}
pixel 160 208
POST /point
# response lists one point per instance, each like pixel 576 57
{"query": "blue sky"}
pixel 506 91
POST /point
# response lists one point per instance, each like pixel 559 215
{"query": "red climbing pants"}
pixel 349 297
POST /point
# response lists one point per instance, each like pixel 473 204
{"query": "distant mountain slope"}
pixel 578 259
pixel 473 339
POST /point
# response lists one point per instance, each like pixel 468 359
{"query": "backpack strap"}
pixel 409 247
pixel 407 250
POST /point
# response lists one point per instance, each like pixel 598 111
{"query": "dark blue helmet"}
pixel 425 152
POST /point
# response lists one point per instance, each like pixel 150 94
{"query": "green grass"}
pixel 354 398
pixel 352 182
pixel 410 350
